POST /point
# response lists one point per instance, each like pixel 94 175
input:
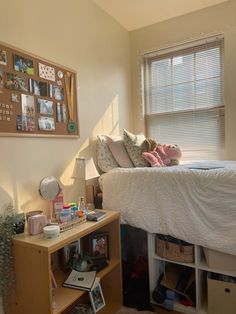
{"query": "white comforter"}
pixel 198 206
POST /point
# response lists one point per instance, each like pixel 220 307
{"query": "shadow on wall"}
pixel 109 124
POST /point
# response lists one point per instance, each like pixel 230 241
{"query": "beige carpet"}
pixel 159 310
pixel 127 310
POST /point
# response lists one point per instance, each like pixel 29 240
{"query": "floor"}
pixel 158 310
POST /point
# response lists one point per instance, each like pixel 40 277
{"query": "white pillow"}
pixel 105 159
pixel 133 144
pixel 120 153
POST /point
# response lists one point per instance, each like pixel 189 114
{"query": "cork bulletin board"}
pixel 37 97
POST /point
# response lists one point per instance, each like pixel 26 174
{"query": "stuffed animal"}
pixel 153 159
pixel 169 153
pixel 148 145
pixel 163 155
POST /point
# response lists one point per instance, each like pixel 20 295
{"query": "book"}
pixel 95 215
pixel 80 280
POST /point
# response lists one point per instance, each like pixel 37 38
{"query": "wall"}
pixel 215 19
pixel 79 35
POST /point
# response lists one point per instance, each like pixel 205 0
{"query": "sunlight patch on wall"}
pixel 108 124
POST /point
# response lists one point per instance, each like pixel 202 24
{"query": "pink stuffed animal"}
pixel 153 159
pixel 163 155
pixel 169 153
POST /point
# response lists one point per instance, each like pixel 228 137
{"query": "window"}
pixel 183 98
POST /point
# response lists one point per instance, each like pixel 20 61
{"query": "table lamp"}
pixel 84 171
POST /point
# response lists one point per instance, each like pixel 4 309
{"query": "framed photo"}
pixel 68 252
pixel 45 106
pixel 98 246
pixel 24 65
pixel 97 298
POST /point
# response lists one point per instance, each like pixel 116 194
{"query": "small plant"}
pixel 10 222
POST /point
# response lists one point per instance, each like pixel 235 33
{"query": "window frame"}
pixel 176 51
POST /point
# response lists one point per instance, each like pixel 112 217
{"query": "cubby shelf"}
pixel 200 268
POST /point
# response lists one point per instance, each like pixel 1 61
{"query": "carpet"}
pixel 127 310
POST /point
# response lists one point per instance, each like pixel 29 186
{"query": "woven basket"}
pixel 177 250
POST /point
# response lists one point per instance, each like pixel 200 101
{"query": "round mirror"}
pixel 49 188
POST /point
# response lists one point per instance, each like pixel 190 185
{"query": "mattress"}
pixel 195 203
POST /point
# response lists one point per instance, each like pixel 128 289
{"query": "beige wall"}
pixel 79 35
pixel 220 18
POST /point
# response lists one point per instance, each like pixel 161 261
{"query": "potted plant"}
pixel 11 223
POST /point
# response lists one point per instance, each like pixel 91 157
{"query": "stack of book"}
pixel 95 215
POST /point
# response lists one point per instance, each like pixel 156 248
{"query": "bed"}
pixel 195 203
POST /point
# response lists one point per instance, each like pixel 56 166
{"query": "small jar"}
pixel 65 214
pixel 74 210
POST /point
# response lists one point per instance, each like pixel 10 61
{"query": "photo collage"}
pixel 34 93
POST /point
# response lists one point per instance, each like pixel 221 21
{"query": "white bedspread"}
pixel 198 206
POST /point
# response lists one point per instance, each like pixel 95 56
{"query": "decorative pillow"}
pixel 133 146
pixel 120 154
pixel 105 159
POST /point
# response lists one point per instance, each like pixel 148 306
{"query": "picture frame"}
pixel 68 252
pixel 97 298
pixel 99 245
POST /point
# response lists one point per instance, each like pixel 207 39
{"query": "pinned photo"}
pixel 38 88
pixel 24 65
pixel 58 93
pixel 3 57
pixel 27 104
pixel 1 78
pixel 46 72
pixel 15 97
pixel 45 106
pixel 46 124
pixel 25 123
pixel 15 82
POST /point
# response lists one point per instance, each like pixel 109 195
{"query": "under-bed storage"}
pixel 210 293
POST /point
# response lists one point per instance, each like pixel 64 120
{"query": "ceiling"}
pixel 134 14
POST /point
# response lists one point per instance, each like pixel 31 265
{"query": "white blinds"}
pixel 184 98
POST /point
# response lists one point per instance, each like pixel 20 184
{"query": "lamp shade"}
pixel 85 169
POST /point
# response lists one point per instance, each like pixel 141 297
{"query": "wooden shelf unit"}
pixel 33 255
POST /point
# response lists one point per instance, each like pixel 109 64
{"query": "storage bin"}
pixel 219 260
pixel 221 297
pixel 173 249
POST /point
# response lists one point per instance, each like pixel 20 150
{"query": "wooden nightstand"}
pixel 33 255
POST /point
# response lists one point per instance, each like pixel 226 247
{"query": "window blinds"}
pixel 183 96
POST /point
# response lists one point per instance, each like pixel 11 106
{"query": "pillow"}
pixel 120 154
pixel 133 146
pixel 105 159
